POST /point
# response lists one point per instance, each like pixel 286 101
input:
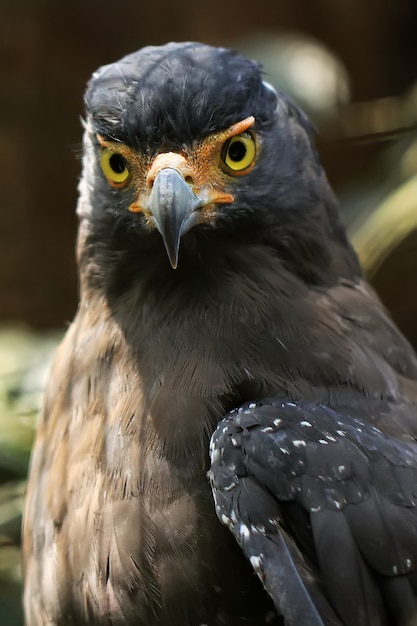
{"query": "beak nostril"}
pixel 150 180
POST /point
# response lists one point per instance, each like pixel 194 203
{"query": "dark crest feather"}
pixel 171 94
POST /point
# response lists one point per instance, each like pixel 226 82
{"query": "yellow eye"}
pixel 239 152
pixel 114 167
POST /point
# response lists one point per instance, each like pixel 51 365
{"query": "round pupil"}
pixel 237 151
pixel 117 163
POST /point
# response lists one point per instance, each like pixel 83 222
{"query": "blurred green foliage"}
pixel 25 359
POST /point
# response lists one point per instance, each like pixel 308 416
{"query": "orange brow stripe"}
pixel 239 127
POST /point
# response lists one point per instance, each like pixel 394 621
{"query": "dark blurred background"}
pixel 350 63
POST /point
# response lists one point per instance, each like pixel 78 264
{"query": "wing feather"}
pixel 323 504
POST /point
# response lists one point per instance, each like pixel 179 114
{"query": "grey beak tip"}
pixel 173 260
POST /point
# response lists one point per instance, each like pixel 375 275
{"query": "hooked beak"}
pixel 175 204
pixel 173 209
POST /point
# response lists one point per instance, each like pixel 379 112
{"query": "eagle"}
pixel 228 433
